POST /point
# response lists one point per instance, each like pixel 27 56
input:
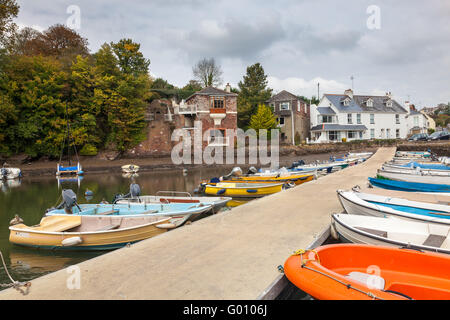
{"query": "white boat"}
pixel 391 232
pixel 8 173
pixel 358 203
pixel 422 177
pixel 413 154
pixel 130 168
pixel 418 170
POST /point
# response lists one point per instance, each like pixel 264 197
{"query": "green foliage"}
pixel 88 150
pixel 263 119
pixel 430 130
pixel 252 92
pixel 131 60
pixel 9 9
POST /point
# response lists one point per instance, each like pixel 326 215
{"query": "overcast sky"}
pixel 298 42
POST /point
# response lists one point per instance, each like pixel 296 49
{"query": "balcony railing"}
pixel 188 109
pixel 217 110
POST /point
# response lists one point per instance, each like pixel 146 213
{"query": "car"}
pixel 439 135
pixel 418 137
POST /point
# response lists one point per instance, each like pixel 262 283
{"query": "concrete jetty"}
pixel 230 255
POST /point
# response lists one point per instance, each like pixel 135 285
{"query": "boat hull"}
pixel 409 186
pixel 242 190
pixel 414 177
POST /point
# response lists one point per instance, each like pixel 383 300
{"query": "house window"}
pixel 218 102
pixel 388 133
pixel 327 119
pixel 333 135
pixel 281 121
pixel 382 133
pixel 397 133
pixel 372 133
pixel 358 118
pixel 347 102
pixel 284 106
pixel 349 118
pixel 360 135
pixel 372 118
pixel 397 119
pixel 369 103
pixel 416 121
pixel 351 134
pixel 389 104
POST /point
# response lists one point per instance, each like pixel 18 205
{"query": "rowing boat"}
pixel 414 176
pixel 368 272
pixel 244 190
pixel 409 186
pixel 87 232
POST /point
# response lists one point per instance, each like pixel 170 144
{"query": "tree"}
pixel 253 91
pixel 131 60
pixel 106 62
pixel 9 10
pixel 22 42
pixel 160 83
pixel 263 119
pixel 193 86
pixel 207 73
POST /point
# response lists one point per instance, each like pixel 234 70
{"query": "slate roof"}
pixel 358 104
pixel 283 96
pixel 325 111
pixel 211 91
pixel 338 127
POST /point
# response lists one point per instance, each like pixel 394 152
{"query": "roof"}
pixel 284 96
pixel 325 110
pixel 211 91
pixel 358 104
pixel 338 127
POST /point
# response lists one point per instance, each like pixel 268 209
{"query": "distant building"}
pixel 357 117
pixel 292 114
pixel 417 121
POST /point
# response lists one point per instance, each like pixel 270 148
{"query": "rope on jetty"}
pixel 15 284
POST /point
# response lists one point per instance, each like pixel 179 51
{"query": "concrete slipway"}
pixel 231 255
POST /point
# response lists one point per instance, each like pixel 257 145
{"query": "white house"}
pixel 356 117
pixel 417 121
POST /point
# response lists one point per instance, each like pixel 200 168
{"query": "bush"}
pixel 88 150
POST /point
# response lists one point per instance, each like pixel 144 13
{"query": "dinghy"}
pixel 242 190
pixel 87 232
pixel 413 154
pixel 413 165
pixel 409 186
pixel 7 173
pixel 391 232
pixel 130 168
pixel 414 170
pixel 359 203
pixel 413 176
pixel 367 272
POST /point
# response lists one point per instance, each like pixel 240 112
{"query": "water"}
pixel 30 197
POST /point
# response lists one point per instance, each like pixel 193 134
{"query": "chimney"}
pixel 349 92
pixel 389 95
pixel 228 88
pixel 412 107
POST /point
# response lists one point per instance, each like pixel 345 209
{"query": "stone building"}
pixel 293 116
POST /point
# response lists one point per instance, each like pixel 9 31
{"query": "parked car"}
pixel 418 137
pixel 439 135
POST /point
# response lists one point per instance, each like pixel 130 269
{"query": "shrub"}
pixel 88 150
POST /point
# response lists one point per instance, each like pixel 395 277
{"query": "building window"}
pixel 284 106
pixel 397 133
pixel 382 133
pixel 389 104
pixel 369 103
pixel 333 135
pixel 218 102
pixel 416 121
pixel 347 102
pixel 388 133
pixel 351 134
pixel 327 119
pixel 397 119
pixel 358 118
pixel 360 135
pixel 372 118
pixel 281 121
pixel 349 118
pixel 372 133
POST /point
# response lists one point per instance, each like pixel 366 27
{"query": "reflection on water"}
pixel 30 197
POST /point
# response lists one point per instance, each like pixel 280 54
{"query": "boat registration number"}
pixel 22 234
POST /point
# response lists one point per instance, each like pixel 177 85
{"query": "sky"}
pixel 399 46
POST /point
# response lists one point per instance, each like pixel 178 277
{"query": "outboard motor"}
pixel 4 173
pixel 252 170
pixel 236 172
pixel 135 190
pixel 69 200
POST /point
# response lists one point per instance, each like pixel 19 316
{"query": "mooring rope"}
pixel 15 284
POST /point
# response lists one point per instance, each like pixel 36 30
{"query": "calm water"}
pixel 30 197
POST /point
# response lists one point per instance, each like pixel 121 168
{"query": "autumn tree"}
pixel 22 42
pixel 208 73
pixel 9 9
pixel 253 91
pixel 263 119
pixel 131 60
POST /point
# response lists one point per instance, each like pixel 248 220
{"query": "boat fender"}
pixel 333 231
pixel 72 241
pixel 252 190
pixel 214 180
pixel 16 220
pixel 221 191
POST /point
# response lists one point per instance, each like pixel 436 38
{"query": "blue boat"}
pixel 409 186
pixel 413 164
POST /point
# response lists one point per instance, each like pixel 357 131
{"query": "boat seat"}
pixel 373 231
pixel 108 212
pixel 368 279
pixel 109 227
pixel 434 240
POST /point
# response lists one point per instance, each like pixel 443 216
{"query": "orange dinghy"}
pixel 360 272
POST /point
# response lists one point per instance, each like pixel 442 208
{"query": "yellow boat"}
pixel 245 190
pixel 87 232
pixel 293 178
pixel 236 203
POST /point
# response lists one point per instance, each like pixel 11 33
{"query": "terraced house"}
pixel 346 117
